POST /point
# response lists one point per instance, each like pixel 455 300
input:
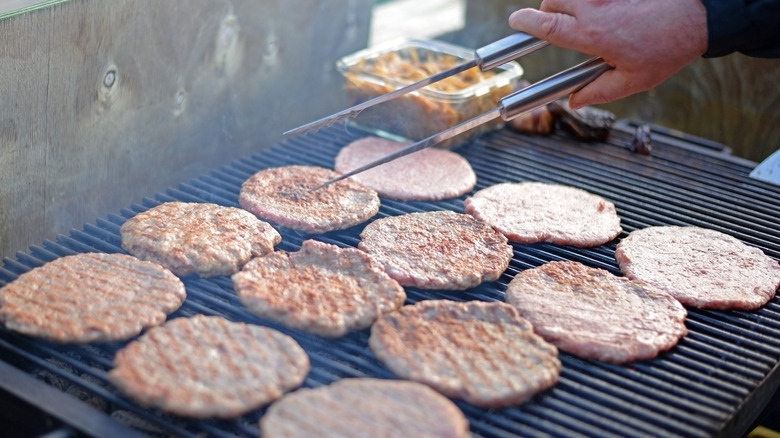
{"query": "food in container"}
pixel 425 112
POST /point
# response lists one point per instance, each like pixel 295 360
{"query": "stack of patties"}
pixel 322 289
pixel 198 238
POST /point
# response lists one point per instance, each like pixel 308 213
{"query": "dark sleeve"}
pixel 751 27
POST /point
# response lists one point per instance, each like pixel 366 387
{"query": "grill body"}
pixel 714 383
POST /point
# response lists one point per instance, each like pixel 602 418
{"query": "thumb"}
pixel 557 29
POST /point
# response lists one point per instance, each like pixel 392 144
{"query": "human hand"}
pixel 645 41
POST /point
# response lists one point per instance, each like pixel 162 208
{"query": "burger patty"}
pixel 596 315
pixel 483 353
pixel 207 366
pixel 437 250
pixel 365 407
pixel 427 175
pixel 282 195
pixel 198 238
pixel 322 289
pixel 90 297
pixel 700 267
pixel 532 212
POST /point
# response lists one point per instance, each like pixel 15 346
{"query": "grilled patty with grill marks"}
pixel 90 297
pixel 198 238
pixel 207 366
pixel 322 288
pixel 282 195
pixel 483 353
pixel 365 407
pixel 596 315
pixel 437 250
pixel 700 267
pixel 533 212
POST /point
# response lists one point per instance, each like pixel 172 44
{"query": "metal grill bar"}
pixel 712 383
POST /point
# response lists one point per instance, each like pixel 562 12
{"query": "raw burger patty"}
pixel 281 195
pixel 427 175
pixel 701 268
pixel 90 297
pixel 207 366
pixel 596 315
pixel 322 289
pixel 365 407
pixel 483 353
pixel 198 238
pixel 437 250
pixel 532 212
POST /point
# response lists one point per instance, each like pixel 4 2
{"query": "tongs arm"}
pixel 486 58
pixel 509 107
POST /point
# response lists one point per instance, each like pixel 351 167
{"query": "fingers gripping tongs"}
pixel 509 107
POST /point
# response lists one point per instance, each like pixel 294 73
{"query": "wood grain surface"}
pixel 106 102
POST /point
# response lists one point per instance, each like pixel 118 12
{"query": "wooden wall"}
pixel 104 102
pixel 734 100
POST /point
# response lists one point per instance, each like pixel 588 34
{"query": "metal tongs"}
pixel 509 107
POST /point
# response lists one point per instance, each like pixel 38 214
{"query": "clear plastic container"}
pixel 427 111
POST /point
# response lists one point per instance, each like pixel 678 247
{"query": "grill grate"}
pixel 713 383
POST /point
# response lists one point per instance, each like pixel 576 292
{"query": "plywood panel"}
pixel 105 102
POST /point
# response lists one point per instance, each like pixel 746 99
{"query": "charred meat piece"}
pixel 537 121
pixel 641 142
pixel 587 123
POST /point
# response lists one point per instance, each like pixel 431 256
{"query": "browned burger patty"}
pixel 532 212
pixel 700 267
pixel 281 195
pixel 90 297
pixel 437 250
pixel 322 289
pixel 207 366
pixel 365 407
pixel 483 353
pixel 427 175
pixel 198 238
pixel 596 315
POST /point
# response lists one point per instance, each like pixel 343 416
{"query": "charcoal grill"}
pixel 714 383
